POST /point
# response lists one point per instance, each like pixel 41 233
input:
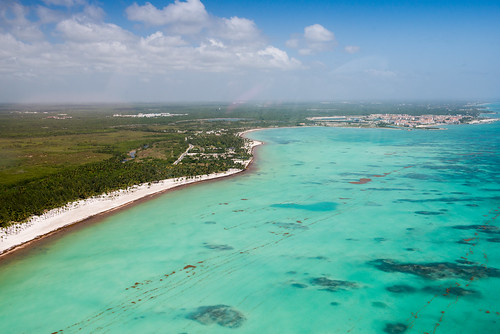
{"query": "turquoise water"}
pixel 334 231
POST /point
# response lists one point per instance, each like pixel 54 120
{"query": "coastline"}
pixel 38 227
pixel 21 235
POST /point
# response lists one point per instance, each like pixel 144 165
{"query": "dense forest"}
pixel 23 199
pixel 51 155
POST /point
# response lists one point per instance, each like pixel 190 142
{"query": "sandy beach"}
pixel 38 227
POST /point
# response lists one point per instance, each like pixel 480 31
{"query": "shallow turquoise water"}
pixel 335 231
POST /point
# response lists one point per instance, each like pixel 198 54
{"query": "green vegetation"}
pixel 51 155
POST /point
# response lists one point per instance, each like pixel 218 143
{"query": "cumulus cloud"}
pixel 91 12
pixel 316 33
pixel 185 17
pixel 20 59
pixel 47 15
pixel 13 19
pixel 83 13
pixel 216 43
pixel 315 38
pixel 237 29
pixel 217 57
pixel 278 58
pixel 84 31
pixel 158 41
pixel 191 18
pixel 88 44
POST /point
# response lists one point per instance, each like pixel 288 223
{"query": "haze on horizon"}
pixel 230 50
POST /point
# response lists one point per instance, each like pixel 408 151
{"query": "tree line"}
pixel 34 197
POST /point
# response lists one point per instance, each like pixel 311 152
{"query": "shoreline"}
pixel 21 235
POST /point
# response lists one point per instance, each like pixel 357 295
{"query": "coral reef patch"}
pixel 396 328
pixel 436 270
pixel 333 285
pixel 222 315
pixel 219 247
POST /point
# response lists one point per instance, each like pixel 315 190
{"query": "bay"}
pixel 333 230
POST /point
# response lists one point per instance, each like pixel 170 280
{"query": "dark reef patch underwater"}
pixel 490 229
pixel 397 328
pixel 453 291
pixel 219 247
pixel 436 270
pixel 222 315
pixel 333 285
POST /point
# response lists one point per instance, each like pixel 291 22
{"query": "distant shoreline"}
pixel 21 235
pixel 399 121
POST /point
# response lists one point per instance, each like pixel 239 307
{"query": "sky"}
pixel 239 51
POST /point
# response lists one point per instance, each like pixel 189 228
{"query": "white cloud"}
pixel 13 12
pixel 351 49
pixel 85 13
pixel 13 18
pixel 158 41
pixel 214 56
pixel 21 59
pixel 306 52
pixel 90 47
pixel 238 29
pixel 77 31
pixel 184 17
pixel 316 33
pixel 217 43
pixel 66 3
pixel 92 13
pixel 278 58
pixel 293 43
pixel 47 15
pixel 191 18
pixel 315 38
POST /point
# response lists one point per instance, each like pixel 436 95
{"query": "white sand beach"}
pixel 39 226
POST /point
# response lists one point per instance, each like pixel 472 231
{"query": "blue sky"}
pixel 221 50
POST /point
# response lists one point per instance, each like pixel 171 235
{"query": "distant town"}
pixel 149 115
pixel 399 120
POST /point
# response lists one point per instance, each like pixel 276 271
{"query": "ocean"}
pixel 333 230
